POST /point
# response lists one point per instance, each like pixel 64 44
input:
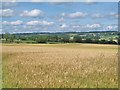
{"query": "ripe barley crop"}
pixel 60 65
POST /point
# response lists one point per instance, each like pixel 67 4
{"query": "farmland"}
pixel 60 65
pixel 103 37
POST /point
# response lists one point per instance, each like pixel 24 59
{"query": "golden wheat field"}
pixel 60 65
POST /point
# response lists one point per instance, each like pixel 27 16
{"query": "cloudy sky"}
pixel 24 17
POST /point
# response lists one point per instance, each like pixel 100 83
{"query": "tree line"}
pixel 12 38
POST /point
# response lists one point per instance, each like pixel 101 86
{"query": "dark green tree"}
pixel 78 39
pixel 41 39
pixel 12 37
pixel 6 36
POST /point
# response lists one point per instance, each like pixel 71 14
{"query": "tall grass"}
pixel 60 65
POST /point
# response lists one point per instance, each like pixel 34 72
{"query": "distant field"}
pixel 60 65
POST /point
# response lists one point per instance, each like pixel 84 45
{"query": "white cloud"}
pixel 64 26
pixel 89 2
pixel 63 14
pixel 52 0
pixel 77 15
pixel 112 27
pixel 87 27
pixel 113 14
pixel 18 22
pixel 97 15
pixel 5 23
pixel 61 19
pixel 109 27
pixel 110 15
pixel 40 23
pixel 76 26
pixel 33 23
pixel 92 26
pixel 32 13
pixel 74 15
pixel 6 5
pixel 6 13
pixel 10 1
pixel 37 0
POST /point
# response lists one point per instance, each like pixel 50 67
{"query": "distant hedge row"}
pixel 11 38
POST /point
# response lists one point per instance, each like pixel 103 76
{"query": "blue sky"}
pixel 22 17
